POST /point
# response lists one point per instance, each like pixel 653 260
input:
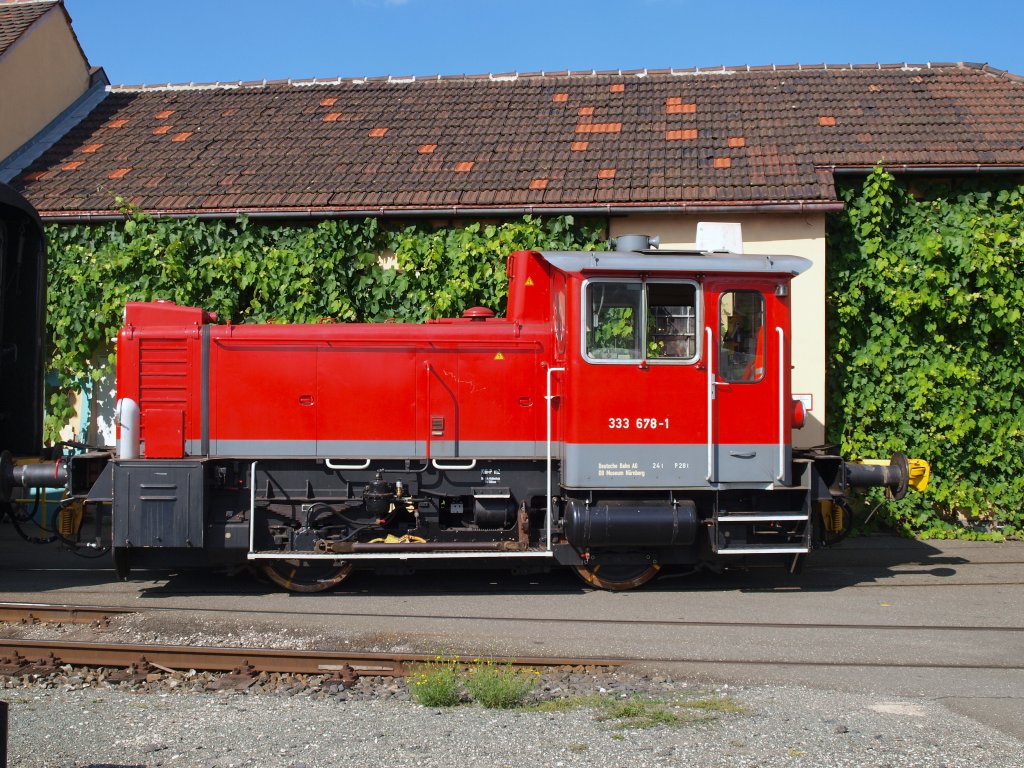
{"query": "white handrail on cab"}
pixel 711 403
pixel 549 397
pixel 782 404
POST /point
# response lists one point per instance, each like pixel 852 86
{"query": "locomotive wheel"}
pixel 306 575
pixel 615 577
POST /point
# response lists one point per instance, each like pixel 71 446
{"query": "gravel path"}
pixel 71 721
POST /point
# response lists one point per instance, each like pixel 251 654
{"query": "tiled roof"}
pixel 15 18
pixel 666 139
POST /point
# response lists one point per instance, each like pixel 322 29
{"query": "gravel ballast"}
pixel 74 720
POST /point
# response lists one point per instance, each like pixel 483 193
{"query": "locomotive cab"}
pixel 676 424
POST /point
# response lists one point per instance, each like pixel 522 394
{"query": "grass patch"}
pixel 567 704
pixel 436 684
pixel 645 711
pixel 499 686
pixel 722 704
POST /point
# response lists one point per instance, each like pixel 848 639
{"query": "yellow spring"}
pixel 69 520
pixel 831 516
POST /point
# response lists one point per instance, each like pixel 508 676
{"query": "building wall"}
pixel 770 234
pixel 41 75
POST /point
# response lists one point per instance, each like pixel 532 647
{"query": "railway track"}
pixel 89 614
pixel 46 654
pixel 55 653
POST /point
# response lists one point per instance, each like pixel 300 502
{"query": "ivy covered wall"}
pixel 924 305
pixel 926 344
pixel 343 270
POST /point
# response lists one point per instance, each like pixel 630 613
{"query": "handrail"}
pixel 364 465
pixel 549 397
pixel 470 465
pixel 782 404
pixel 252 508
pixel 711 402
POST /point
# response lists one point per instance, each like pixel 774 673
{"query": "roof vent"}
pixel 635 242
pixel 478 313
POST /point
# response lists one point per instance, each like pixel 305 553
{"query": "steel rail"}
pixel 57 614
pixel 221 659
pixel 382 665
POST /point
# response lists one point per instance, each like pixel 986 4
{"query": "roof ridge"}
pixel 542 74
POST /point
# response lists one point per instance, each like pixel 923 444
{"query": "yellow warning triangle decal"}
pixel 529 281
pixel 499 356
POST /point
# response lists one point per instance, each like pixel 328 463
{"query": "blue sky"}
pixel 180 41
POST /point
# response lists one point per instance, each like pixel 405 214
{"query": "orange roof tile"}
pixel 680 109
pixel 599 128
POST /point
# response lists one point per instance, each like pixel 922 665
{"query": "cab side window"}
pixel 613 330
pixel 741 334
pixel 672 321
pixel 636 320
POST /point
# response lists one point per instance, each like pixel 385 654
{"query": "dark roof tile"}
pixel 750 135
pixel 16 18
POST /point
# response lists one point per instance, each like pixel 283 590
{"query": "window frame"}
pixel 762 335
pixel 643 359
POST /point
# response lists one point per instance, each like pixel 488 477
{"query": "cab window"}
pixel 613 327
pixel 672 321
pixel 741 334
pixel 637 320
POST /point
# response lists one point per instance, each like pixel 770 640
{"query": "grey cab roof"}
pixel 675 261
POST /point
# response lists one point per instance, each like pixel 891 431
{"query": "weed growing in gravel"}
pixel 645 712
pixel 436 683
pixel 567 703
pixel 499 686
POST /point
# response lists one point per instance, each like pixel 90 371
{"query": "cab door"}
pixel 745 330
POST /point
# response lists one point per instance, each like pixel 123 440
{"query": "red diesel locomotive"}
pixel 632 409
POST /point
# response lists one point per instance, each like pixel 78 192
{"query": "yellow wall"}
pixel 770 234
pixel 41 75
